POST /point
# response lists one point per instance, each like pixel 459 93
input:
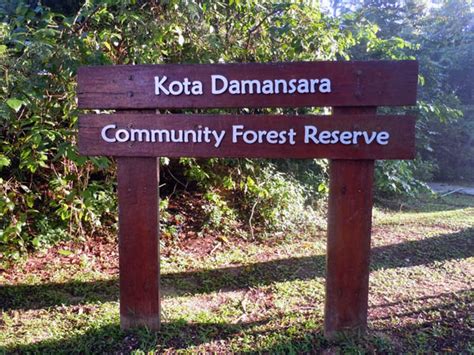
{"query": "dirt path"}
pixel 445 188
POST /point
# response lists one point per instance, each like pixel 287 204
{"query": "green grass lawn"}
pixel 250 297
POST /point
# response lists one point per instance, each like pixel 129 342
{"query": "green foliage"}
pixel 46 187
pixel 401 177
pixel 48 192
pixel 452 148
pixel 266 197
pixel 442 40
pixel 448 48
pixel 277 203
pixel 220 216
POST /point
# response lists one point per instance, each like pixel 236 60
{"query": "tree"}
pixel 441 40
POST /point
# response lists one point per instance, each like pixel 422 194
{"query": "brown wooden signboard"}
pixel 256 136
pixel 353 137
pixel 374 83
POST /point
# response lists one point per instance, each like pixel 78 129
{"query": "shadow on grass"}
pixel 111 339
pixel 176 336
pixel 446 329
pixel 440 248
pixel 56 294
pixel 439 323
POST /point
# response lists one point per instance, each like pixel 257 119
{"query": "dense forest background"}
pixel 49 193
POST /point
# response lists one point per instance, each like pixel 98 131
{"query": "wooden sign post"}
pixel 353 137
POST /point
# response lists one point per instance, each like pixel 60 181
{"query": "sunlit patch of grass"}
pixel 455 219
pixel 451 212
pixel 52 328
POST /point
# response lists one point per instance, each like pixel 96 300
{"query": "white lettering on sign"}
pixel 344 137
pixel 176 87
pixel 200 135
pixel 221 85
pixel 239 133
pixel 262 136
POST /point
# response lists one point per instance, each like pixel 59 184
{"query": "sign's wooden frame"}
pixel 357 89
pixel 400 131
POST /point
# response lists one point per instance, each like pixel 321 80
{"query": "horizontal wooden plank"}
pixel 296 84
pixel 253 136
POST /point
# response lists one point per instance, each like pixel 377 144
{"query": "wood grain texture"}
pixel 355 83
pixel 401 129
pixel 139 243
pixel 348 243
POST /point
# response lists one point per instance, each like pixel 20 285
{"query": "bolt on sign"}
pixel 352 137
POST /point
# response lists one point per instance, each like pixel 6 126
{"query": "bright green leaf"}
pixel 4 161
pixel 15 104
pixel 65 252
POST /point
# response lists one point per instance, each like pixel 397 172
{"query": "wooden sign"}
pixel 353 137
pixel 373 83
pixel 256 136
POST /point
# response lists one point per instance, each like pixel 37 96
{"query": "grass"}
pixel 265 297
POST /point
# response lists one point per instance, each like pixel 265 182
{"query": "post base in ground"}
pixel 151 323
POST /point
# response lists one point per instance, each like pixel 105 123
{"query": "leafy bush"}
pixel 49 193
pixel 277 203
pixel 398 177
